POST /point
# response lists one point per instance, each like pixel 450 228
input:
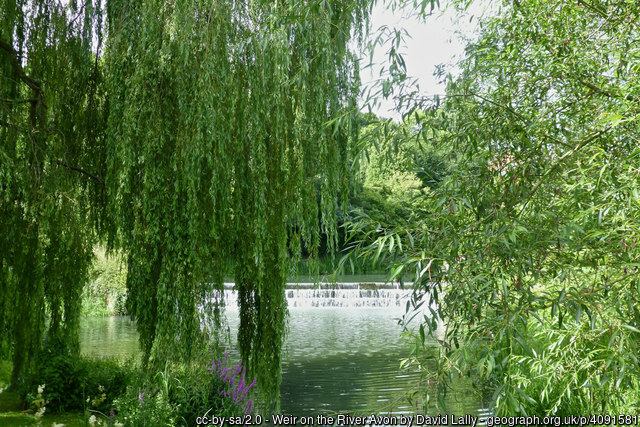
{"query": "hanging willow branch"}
pixel 82 171
pixel 37 104
pixel 46 240
pixel 224 149
pixel 224 159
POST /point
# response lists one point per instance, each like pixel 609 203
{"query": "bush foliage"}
pixel 178 395
pixel 75 383
pixel 121 392
pixel 106 292
pixel 526 255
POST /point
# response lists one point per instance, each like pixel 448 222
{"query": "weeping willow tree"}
pixel 51 131
pixel 227 146
pixel 209 136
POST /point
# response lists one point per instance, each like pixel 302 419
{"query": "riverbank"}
pixel 71 390
pixel 106 292
pixel 14 413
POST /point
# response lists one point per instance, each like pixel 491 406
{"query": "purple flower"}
pixel 234 377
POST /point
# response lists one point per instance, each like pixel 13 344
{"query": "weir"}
pixel 337 295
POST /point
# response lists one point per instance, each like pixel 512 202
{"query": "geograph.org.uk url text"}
pixel 567 420
pixel 421 420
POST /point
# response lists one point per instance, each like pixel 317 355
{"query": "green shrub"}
pixel 123 394
pixel 5 372
pixel 74 383
pixel 106 293
pixel 216 389
pixel 180 394
pixel 105 380
pixel 143 405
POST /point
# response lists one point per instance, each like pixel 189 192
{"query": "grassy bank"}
pixel 71 390
pixel 15 412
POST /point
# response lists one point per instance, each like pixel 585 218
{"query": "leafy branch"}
pixel 37 103
pixel 82 171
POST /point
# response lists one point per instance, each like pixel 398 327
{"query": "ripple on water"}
pixel 335 360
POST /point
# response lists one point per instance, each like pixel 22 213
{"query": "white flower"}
pixel 40 388
pixel 118 424
pixel 40 412
pixel 55 424
pixel 92 420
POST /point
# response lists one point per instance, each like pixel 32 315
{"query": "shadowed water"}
pixel 340 356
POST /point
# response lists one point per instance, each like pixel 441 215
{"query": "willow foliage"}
pixel 51 127
pixel 530 249
pixel 209 135
pixel 228 137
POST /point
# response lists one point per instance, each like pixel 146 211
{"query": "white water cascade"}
pixel 337 295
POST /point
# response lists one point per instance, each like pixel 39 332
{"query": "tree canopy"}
pixel 227 122
pixel 529 250
pixel 51 138
pixel 195 136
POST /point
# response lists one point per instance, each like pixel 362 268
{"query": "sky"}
pixel 437 40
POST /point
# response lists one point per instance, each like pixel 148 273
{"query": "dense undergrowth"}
pixel 110 392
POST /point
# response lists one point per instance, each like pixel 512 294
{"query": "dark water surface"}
pixel 337 359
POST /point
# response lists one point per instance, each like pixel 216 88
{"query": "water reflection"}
pixel 336 360
pixel 109 336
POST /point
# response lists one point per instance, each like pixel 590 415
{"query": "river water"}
pixel 342 352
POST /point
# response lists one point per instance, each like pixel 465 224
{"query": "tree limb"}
pixel 37 104
pixel 18 101
pixel 17 68
pixel 607 92
pixel 82 171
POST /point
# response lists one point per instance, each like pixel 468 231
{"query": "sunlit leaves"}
pixel 229 132
pixel 51 171
pixel 538 223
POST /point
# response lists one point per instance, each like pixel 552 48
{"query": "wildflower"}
pixel 92 420
pixel 118 424
pixel 111 414
pixel 40 412
pixel 234 376
pixel 55 424
pixel 41 388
